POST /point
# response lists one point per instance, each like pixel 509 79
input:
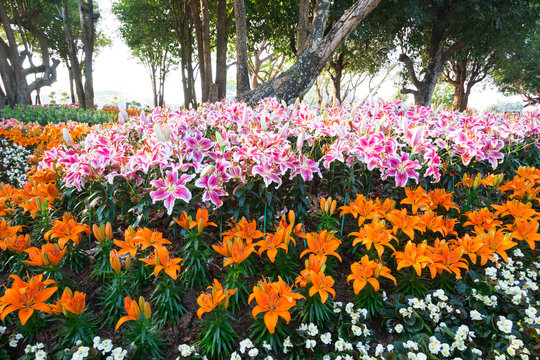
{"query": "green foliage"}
pixel 44 115
pixel 217 334
pixel 443 96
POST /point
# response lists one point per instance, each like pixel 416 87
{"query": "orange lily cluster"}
pixel 314 274
pixel 27 296
pixel 274 299
pixel 217 296
pixel 490 231
pixel 144 239
pixel 368 271
pixel 237 243
pixel 322 244
pixel 280 239
pixel 45 137
pixel 37 194
pixel 201 220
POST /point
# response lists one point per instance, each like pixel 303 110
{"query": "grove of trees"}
pixel 279 48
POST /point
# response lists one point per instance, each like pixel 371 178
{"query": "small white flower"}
pixel 235 356
pixel 398 328
pixel 310 344
pixel 326 338
pixel 41 355
pixel 253 352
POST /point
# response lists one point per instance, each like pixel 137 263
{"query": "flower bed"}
pixel 212 233
pixel 54 114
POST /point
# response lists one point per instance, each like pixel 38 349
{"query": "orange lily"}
pixel 401 220
pixel 328 206
pixel 482 219
pixel 368 271
pixel 130 245
pixel 147 238
pixel 209 301
pixel 18 244
pixel 244 230
pixel 134 311
pixel 202 220
pixel 323 285
pixel 48 255
pixel 516 209
pixel 430 221
pixel 413 255
pixel 7 232
pixel 470 246
pixel 27 296
pixel 376 234
pixel 271 244
pixel 185 221
pixel 526 230
pixel 275 300
pixel 235 251
pixel 361 208
pixel 495 241
pixel 67 229
pixel 446 258
pixel 162 261
pixel 324 243
pixel 315 265
pixel 69 302
pixel 417 198
pixel 439 197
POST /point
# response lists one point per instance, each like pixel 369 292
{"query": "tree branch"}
pixel 409 66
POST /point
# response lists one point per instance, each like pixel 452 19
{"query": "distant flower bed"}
pixel 273 233
pixel 53 114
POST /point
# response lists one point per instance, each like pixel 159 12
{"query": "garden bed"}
pixel 426 252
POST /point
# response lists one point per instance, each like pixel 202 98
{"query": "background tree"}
pixel 518 69
pixel 25 24
pixel 149 38
pixel 316 52
pixel 428 33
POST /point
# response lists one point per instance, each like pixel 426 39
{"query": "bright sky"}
pixel 117 71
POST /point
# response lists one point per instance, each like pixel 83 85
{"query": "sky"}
pixel 117 72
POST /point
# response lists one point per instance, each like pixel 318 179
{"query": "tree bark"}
pixel 302 30
pixel 296 81
pixel 86 13
pixel 224 23
pixel 242 73
pixel 74 67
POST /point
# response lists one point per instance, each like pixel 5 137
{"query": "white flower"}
pixel 339 345
pixel 379 349
pixel 245 344
pixel 505 325
pixel 476 315
pixel 287 343
pixel 2 330
pixel 253 352
pixel 511 350
pixel 337 306
pixel 310 344
pixel 41 355
pixel 13 342
pixel 326 338
pixel 349 307
pixel 440 294
pixel 106 346
pixel 185 350
pixel 40 345
pixel 313 330
pixel 18 336
pixel 266 346
pixel 357 330
pixel 235 356
pixel 398 328
pixel 389 347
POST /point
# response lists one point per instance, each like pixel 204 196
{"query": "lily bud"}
pixel 166 132
pixel 498 180
pixel 476 182
pixel 323 201
pixel 115 261
pixel 45 258
pixel 159 133
pixel 67 137
pixel 530 196
pixel 108 231
pixel 300 141
pixel 333 207
pixel 143 116
pixel 219 138
pixel 291 217
pixel 200 225
pixel 323 268
pixel 128 263
pixel 98 233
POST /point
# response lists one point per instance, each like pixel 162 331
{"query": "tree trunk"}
pixel 221 49
pixel 436 61
pixel 86 13
pixel 74 66
pixel 296 81
pixel 338 66
pixel 242 73
pixel 154 84
pixel 302 29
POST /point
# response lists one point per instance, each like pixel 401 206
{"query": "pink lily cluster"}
pixel 229 143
